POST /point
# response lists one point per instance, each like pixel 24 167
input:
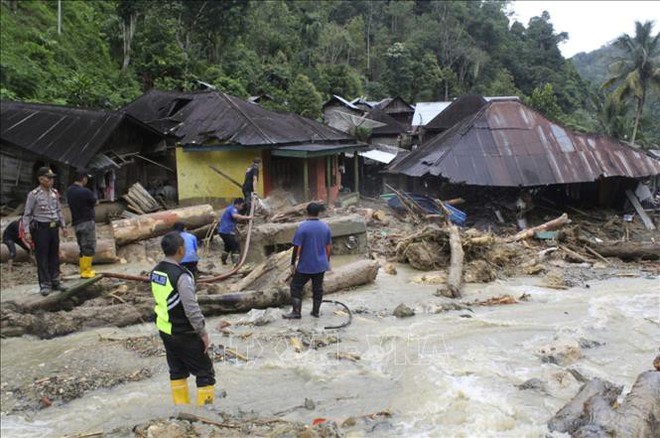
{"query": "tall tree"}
pixel 304 99
pixel 129 12
pixel 638 69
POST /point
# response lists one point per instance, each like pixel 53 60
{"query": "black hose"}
pixel 345 324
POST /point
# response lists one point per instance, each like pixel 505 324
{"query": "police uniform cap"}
pixel 46 171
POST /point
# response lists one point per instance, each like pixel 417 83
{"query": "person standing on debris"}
pixel 11 237
pixel 42 221
pixel 190 258
pixel 227 230
pixel 181 324
pixel 81 203
pixel 312 246
pixel 251 182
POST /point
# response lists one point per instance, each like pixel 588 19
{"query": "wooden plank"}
pixel 648 223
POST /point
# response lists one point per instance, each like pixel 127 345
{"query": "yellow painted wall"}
pixel 198 182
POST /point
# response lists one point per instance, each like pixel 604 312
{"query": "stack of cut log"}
pixel 140 201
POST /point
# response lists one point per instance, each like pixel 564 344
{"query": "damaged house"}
pixel 484 148
pixel 217 136
pixel 116 148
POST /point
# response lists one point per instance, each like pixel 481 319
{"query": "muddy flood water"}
pixel 462 372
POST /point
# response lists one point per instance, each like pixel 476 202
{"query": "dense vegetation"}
pixel 297 52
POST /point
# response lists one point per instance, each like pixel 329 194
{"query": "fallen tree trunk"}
pixel 70 252
pixel 52 324
pixel 593 411
pixel 550 225
pixel 627 250
pixel 455 278
pixel 156 224
pixel 55 300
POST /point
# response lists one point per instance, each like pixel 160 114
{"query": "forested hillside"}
pixel 298 52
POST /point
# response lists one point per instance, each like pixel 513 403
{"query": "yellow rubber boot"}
pixel 205 395
pixel 86 270
pixel 180 391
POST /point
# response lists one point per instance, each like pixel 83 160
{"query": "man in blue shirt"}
pixel 312 246
pixel 227 230
pixel 190 258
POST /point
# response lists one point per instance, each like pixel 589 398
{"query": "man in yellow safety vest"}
pixel 181 324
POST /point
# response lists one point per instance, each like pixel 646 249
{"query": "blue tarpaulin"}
pixel 429 205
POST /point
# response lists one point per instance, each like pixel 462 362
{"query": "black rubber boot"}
pixel 224 258
pixel 296 304
pixel 316 308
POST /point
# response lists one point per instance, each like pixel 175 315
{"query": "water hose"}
pixel 201 280
pixel 346 323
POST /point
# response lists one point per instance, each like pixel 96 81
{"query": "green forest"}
pixel 105 53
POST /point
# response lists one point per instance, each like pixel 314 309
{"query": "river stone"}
pixel 560 352
pixel 403 311
pixel 389 269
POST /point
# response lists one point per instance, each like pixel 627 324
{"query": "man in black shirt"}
pixel 82 202
pixel 12 237
pixel 250 183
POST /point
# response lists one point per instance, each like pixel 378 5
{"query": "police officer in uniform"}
pixel 181 324
pixel 42 221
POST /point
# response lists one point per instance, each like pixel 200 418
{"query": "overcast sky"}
pixel 590 24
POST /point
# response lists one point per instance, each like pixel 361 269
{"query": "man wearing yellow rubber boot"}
pixel 81 203
pixel 181 324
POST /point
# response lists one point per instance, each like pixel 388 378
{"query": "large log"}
pixel 70 252
pixel 55 300
pixel 594 411
pixel 348 276
pixel 156 224
pixel 550 225
pixel 571 417
pixel 627 250
pixel 52 324
pixel 455 279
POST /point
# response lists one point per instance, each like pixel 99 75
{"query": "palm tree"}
pixel 638 69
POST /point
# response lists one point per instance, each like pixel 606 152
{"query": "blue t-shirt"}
pixel 227 222
pixel 190 241
pixel 312 236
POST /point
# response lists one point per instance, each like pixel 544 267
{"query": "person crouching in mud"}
pixel 312 246
pixel 181 324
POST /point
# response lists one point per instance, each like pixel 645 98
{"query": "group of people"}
pixel 38 231
pixel 178 316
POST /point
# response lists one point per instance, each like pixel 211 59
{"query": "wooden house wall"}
pixel 18 173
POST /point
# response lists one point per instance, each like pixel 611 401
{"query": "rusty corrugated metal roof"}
pixel 59 133
pixel 507 144
pixel 215 118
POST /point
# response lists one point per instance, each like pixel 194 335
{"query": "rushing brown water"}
pixel 443 374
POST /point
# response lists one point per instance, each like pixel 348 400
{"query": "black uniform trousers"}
pixel 47 252
pixel 299 281
pixel 247 197
pixel 185 356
